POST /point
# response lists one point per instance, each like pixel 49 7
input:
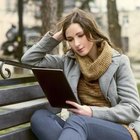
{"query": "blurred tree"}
pixel 19 51
pixel 113 24
pixel 49 15
pixel 85 5
pixel 60 8
pixel 51 11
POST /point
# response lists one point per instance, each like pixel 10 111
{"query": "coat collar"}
pixel 105 79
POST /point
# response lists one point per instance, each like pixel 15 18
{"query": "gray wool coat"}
pixel 117 83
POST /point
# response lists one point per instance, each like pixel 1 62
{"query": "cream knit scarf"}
pixel 92 70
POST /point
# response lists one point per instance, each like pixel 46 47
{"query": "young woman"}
pixel 101 79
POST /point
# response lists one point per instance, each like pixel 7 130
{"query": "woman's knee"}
pixel 39 115
pixel 80 121
pixel 75 120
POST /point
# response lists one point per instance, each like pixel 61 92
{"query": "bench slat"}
pixel 15 117
pixel 21 134
pixel 17 81
pixel 20 94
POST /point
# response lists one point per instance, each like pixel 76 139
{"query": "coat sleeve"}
pixel 40 54
pixel 127 108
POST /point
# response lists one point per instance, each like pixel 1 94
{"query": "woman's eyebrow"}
pixel 81 32
pixel 68 37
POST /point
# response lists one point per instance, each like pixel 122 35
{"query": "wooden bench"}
pixel 19 98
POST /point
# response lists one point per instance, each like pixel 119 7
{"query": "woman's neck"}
pixel 93 54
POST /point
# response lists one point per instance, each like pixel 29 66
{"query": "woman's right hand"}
pixel 80 109
pixel 58 36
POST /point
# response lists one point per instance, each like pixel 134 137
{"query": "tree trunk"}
pixel 60 8
pixel 85 5
pixel 19 52
pixel 113 24
pixel 49 15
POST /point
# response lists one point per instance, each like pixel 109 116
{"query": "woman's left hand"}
pixel 80 109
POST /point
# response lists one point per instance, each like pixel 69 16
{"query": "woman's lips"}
pixel 80 50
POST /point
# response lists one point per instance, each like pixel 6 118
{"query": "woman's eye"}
pixel 69 40
pixel 81 35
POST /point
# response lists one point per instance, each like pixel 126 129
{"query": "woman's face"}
pixel 77 40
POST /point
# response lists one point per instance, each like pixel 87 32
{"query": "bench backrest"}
pixel 19 98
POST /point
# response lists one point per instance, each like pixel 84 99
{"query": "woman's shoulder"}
pixel 119 57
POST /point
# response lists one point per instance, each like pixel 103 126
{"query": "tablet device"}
pixel 55 86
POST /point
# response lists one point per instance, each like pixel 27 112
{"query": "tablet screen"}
pixel 55 86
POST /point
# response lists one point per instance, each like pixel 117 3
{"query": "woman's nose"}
pixel 77 42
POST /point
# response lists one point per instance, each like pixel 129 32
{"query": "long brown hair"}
pixel 87 23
